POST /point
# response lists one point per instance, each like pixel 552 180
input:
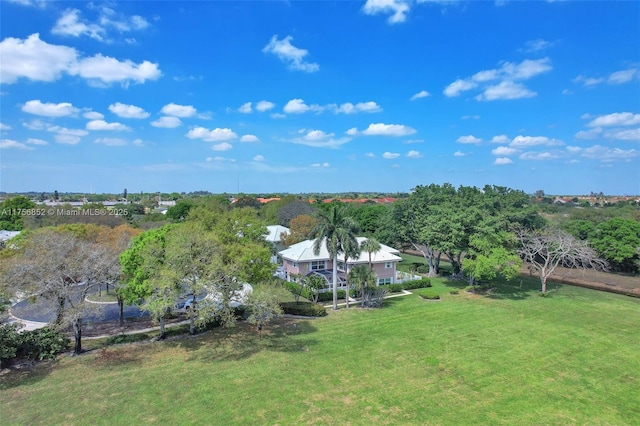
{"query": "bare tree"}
pixel 60 269
pixel 548 248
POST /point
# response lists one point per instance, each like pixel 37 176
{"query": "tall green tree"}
pixel 146 283
pixel 350 250
pixel 12 212
pixel 192 257
pixel 335 230
pixel 618 241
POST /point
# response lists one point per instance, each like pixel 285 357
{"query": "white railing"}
pixel 405 276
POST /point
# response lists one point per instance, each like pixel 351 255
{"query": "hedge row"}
pixel 43 343
pixel 327 296
pixel 407 285
pixel 307 309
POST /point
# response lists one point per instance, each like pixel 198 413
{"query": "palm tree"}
pixel 351 250
pixel 364 279
pixel 337 230
pixel 370 245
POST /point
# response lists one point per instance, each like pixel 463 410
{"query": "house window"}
pixel 388 265
pixel 295 264
pixel 383 281
pixel 340 266
pixel 318 265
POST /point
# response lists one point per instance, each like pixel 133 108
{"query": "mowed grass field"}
pixel 510 357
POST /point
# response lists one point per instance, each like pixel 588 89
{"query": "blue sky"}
pixel 320 96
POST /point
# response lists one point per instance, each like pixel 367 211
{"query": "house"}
pixel 274 233
pixel 300 259
pixel 273 237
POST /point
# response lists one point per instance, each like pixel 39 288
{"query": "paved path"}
pixel 39 313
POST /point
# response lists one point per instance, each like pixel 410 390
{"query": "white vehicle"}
pixel 214 298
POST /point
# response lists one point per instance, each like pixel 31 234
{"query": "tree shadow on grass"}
pixel 520 288
pixel 244 340
pixel 27 372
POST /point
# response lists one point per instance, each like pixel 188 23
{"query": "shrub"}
pixel 327 296
pixel 454 292
pixel 307 309
pixel 297 289
pixel 395 288
pixel 413 284
pixel 43 343
pixel 422 269
pixel 429 295
pixel 9 342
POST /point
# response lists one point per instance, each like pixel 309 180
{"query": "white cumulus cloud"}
pixel 538 156
pixel 249 138
pixel 128 111
pixel 258 158
pixel 110 70
pixel 625 135
pixel 297 106
pixel 72 24
pixel 37 107
pixel 11 144
pixel 397 9
pixel 263 106
pixel 381 129
pixel 34 59
pixel 459 86
pixel 319 139
pixel 215 135
pixel 615 119
pixel 349 108
pixel 604 153
pixel 182 111
pixel 290 54
pixel 504 151
pixel 502 82
pixel 421 94
pixel 501 161
pixel 223 146
pixel 469 139
pixel 414 154
pixel 167 122
pixel 103 125
pixel 528 141
pixel 500 139
pixel 37 60
pixel 624 76
pixel 390 155
pixel 245 108
pixel 93 115
pixel 505 90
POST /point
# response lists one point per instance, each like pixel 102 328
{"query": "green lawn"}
pixel 510 357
